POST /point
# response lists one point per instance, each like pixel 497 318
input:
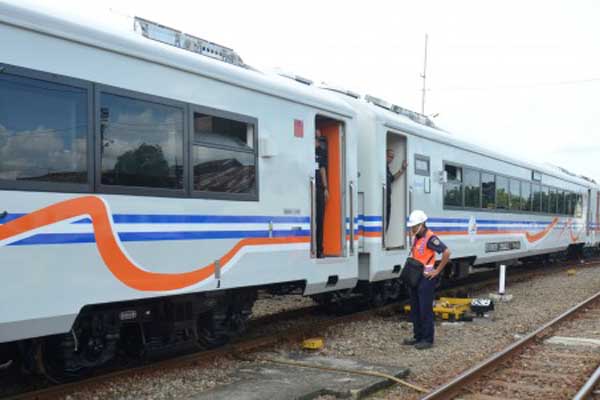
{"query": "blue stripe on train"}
pixel 185 219
pixel 64 238
pixel 198 219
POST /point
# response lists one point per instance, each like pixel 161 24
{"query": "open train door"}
pixel 395 194
pixel 333 225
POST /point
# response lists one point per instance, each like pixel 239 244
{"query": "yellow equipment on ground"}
pixel 313 344
pixel 449 308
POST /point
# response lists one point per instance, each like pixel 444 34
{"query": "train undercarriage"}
pixel 157 328
pixel 140 331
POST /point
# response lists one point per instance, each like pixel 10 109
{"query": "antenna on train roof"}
pixel 340 90
pixel 164 34
pixel 295 77
pixel 413 115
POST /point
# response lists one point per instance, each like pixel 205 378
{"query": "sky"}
pixel 519 77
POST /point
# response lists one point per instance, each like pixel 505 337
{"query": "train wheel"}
pixel 8 359
pixel 51 362
pixel 210 331
pixel 74 355
pixel 226 321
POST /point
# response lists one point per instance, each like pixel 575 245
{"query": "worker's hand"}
pixel 404 165
pixel 432 274
pixel 326 195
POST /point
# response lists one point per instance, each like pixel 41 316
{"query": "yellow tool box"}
pixel 450 308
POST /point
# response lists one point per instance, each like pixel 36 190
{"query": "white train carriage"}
pixel 148 192
pixel 487 207
pixel 132 170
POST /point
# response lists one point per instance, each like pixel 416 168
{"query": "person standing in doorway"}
pixel 321 185
pixel 426 246
pixel 390 178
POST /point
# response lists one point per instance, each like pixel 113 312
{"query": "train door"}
pixel 589 214
pixel 395 206
pixel 597 225
pixel 333 221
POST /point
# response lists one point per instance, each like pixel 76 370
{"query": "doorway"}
pixel 333 225
pixel 394 228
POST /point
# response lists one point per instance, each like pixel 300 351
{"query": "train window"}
pixel 502 192
pixel 488 190
pixel 545 199
pixel 141 143
pixel 560 205
pixel 571 204
pixel 515 194
pixel 578 205
pixel 218 131
pixel 224 155
pixel 526 196
pixel 44 130
pixel 472 188
pixel 537 198
pixel 552 201
pixel 453 193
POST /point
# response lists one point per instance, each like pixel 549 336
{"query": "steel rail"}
pixel 456 386
pixel 588 387
pixel 249 345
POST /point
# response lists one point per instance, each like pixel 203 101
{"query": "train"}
pixel 152 183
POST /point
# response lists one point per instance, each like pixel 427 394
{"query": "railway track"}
pixel 248 345
pixel 553 362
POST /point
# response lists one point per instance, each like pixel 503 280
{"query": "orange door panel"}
pixel 332 229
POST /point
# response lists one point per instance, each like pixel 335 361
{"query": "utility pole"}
pixel 424 76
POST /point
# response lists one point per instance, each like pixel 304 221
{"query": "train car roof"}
pixel 43 19
pixel 403 123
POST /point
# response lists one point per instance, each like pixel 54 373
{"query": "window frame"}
pixel 494 208
pixel 137 190
pixel 198 194
pixel 521 181
pixel 41 186
pixel 454 181
pixel 479 186
pixel 507 208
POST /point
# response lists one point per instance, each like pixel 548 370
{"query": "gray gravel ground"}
pixel 269 304
pixel 462 346
pixel 458 346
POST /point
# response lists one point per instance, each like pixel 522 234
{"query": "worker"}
pixel 425 247
pixel 322 195
pixel 390 178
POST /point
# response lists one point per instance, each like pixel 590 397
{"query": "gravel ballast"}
pixel 458 346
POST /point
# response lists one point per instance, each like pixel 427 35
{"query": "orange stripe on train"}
pixel 110 249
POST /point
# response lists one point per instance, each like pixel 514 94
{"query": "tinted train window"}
pixel 223 155
pixel 545 199
pixel 472 186
pixel 560 207
pixel 526 196
pixel 515 194
pixel 552 201
pixel 571 198
pixel 488 190
pixel 537 198
pixel 453 195
pixel 579 206
pixel 43 131
pixel 141 143
pixel 502 192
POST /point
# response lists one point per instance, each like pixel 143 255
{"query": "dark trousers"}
pixel 421 309
pixel 320 217
pixel 388 211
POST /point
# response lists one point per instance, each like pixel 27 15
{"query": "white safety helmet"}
pixel 416 217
